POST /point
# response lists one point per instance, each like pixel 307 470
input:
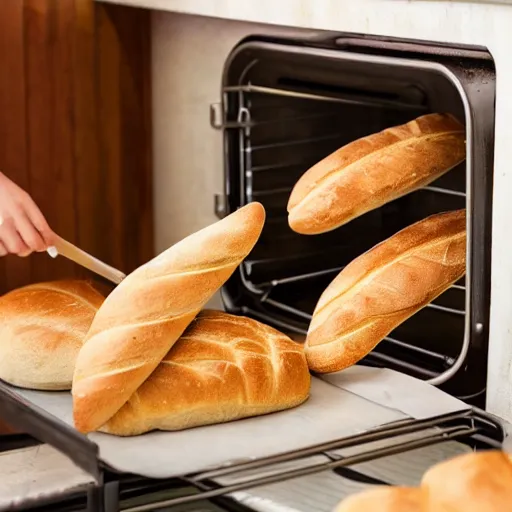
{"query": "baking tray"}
pixel 352 408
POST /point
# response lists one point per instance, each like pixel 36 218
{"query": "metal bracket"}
pixel 218 121
pixel 220 205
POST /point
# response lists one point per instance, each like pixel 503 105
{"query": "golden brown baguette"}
pixel 42 328
pixel 373 171
pixel 223 368
pixel 385 499
pixel 383 287
pixel 474 482
pixel 145 315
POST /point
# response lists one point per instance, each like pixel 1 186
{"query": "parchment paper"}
pixel 333 410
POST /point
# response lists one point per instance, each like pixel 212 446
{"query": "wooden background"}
pixel 75 129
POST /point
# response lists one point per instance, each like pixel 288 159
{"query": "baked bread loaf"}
pixel 384 287
pixel 145 315
pixel 475 482
pixel 385 499
pixel 42 328
pixel 223 368
pixel 373 171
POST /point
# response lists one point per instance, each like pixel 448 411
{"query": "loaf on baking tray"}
pixel 42 328
pixel 146 314
pixel 373 171
pixel 384 287
pixel 474 482
pixel 223 368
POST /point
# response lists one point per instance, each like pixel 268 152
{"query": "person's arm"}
pixel 23 228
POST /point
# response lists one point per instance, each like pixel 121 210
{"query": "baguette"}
pixel 146 314
pixel 384 287
pixel 42 328
pixel 223 368
pixel 373 171
pixel 385 499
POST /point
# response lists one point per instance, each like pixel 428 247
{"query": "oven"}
pixel 287 105
pixel 287 102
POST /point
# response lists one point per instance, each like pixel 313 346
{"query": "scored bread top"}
pixel 145 315
pixel 374 170
pixel 383 287
pixel 42 327
pixel 224 367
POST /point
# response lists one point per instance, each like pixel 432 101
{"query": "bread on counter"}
pixel 384 499
pixel 375 170
pixel 42 328
pixel 146 314
pixel 473 482
pixel 223 368
pixel 384 287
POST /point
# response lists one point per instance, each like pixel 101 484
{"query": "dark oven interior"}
pixel 286 107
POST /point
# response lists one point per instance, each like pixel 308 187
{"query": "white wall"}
pixel 188 58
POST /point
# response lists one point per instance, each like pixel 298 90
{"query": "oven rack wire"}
pixel 471 425
pixel 112 490
pixel 241 121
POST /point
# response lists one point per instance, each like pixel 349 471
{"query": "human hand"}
pixel 23 228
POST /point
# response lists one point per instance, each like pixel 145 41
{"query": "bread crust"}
pixel 384 287
pixel 223 368
pixel 147 313
pixel 375 170
pixel 42 328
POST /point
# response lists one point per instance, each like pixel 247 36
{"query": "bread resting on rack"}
pixel 223 368
pixel 473 482
pixel 375 170
pixel 42 328
pixel 384 287
pixel 146 314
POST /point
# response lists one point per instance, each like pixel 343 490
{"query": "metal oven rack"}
pixel 246 96
pixel 283 109
pixel 114 492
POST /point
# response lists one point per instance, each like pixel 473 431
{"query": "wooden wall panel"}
pixel 75 131
pixel 75 128
pixel 13 134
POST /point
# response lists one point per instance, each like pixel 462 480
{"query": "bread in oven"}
pixel 384 287
pixel 375 170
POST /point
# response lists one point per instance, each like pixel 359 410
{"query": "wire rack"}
pixel 271 159
pixel 472 426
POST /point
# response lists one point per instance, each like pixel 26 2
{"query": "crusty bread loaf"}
pixel 223 368
pixel 474 482
pixel 384 499
pixel 373 171
pixel 145 315
pixel 42 328
pixel 383 287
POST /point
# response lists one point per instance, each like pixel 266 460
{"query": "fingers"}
pixel 36 218
pixel 29 234
pixel 11 240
